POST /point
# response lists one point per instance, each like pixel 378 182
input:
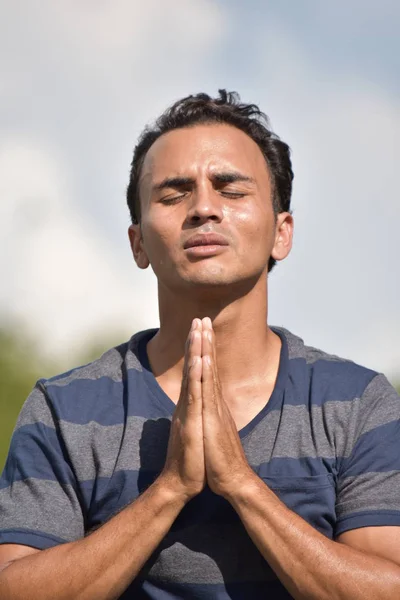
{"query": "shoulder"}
pixel 94 391
pixel 348 402
pixel 332 376
pixel 109 365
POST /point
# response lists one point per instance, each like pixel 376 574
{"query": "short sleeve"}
pixel 39 500
pixel 368 485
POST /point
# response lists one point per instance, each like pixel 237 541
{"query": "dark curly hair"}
pixel 226 108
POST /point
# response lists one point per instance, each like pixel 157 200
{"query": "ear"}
pixel 283 236
pixel 137 246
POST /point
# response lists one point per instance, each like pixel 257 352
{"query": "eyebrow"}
pixel 231 177
pixel 174 182
pixel 222 177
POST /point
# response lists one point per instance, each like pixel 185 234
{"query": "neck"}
pixel 243 339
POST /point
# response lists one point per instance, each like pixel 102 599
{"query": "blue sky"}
pixel 81 79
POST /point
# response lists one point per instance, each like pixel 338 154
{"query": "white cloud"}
pixel 62 277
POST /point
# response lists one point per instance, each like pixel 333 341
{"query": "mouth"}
pixel 203 240
pixel 205 244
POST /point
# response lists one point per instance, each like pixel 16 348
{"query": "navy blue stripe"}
pixel 330 381
pixel 349 379
pixel 376 451
pixel 27 537
pixel 36 451
pixel 378 518
pixel 228 591
pixel 104 401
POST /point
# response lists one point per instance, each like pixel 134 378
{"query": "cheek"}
pixel 254 226
pixel 159 240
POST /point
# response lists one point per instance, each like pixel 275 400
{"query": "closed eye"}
pixel 232 194
pixel 169 200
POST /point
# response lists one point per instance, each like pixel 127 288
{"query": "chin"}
pixel 210 276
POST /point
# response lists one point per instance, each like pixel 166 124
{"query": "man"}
pixel 215 457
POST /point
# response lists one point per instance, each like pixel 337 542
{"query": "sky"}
pixel 79 79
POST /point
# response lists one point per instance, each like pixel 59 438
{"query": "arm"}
pixel 103 564
pixel 311 566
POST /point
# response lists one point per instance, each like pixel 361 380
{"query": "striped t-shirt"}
pixel 88 442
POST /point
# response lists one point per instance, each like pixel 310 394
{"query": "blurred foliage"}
pixel 20 368
pixel 21 365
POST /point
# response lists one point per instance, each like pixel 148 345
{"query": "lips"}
pixel 206 239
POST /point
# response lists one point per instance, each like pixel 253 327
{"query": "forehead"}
pixel 193 150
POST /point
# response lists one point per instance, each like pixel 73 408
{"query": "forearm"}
pixel 310 566
pixel 101 565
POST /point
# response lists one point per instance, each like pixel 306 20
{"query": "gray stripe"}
pixel 132 361
pixel 259 444
pixel 293 434
pixel 34 410
pixel 297 349
pixel 368 492
pixel 313 354
pixel 330 431
pixel 211 554
pixel 295 344
pixel 43 506
pixel 379 405
pixel 300 434
pixel 108 365
pixel 100 450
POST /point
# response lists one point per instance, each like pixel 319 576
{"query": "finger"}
pixel 191 349
pixel 194 392
pixel 195 343
pixel 208 326
pixel 207 340
pixel 188 357
pixel 213 345
pixel 192 353
pixel 209 398
pixel 209 347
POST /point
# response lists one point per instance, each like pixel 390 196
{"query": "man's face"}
pixel 202 181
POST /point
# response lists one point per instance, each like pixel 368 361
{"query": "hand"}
pixel 225 461
pixel 184 469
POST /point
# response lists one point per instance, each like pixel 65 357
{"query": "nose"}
pixel 205 206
